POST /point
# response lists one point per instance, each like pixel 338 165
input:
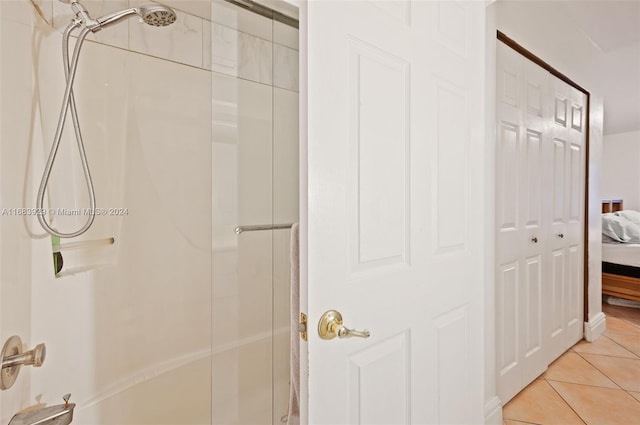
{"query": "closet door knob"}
pixel 560 235
pixel 534 239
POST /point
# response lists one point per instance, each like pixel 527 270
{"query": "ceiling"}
pixel 614 27
pixel 609 24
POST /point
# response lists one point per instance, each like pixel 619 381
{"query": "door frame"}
pixel 500 36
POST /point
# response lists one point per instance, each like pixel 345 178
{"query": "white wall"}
pixel 621 68
pixel 542 28
pixel 620 170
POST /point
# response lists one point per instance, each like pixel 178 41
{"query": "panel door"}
pixel 521 187
pixel 539 219
pixel 395 211
pixel 567 171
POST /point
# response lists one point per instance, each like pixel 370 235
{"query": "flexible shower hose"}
pixel 68 102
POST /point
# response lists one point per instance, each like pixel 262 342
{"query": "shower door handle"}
pixel 330 326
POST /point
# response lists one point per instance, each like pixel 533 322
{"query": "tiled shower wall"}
pixel 127 334
pixel 208 34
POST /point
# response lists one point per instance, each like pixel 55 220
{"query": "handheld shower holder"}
pixel 82 14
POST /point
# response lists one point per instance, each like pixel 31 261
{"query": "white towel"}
pixel 293 418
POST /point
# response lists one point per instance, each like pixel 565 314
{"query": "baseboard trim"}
pixel 595 327
pixel 493 412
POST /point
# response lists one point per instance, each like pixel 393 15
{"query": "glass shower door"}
pixel 255 183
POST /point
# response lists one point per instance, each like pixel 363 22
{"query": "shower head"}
pixel 156 15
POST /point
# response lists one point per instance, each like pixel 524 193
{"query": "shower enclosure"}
pixel 160 313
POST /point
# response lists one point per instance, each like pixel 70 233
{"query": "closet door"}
pixel 564 294
pixel 521 232
pixel 540 185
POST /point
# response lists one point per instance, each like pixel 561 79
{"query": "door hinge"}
pixel 302 326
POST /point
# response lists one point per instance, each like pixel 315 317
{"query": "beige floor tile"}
pixel 617 326
pixel 630 342
pixel 570 367
pixel 624 372
pixel 600 406
pixel 540 404
pixel 603 345
pixel 636 395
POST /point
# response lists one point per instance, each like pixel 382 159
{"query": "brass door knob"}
pixel 330 326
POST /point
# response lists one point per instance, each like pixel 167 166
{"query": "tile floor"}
pixel 593 383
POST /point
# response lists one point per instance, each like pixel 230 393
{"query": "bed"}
pixel 620 252
pixel 621 270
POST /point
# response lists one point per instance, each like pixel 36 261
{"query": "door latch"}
pixel 302 326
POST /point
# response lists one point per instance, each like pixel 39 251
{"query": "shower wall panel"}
pixel 16 87
pixel 128 325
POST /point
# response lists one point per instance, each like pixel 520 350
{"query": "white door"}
pixel 521 187
pixel 565 295
pixel 395 218
pixel 539 219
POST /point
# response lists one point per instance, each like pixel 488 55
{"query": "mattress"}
pixel 621 259
pixel 626 254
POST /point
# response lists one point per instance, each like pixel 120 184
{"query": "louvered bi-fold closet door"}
pixel 539 219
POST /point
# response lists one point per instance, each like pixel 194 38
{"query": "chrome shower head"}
pixel 156 15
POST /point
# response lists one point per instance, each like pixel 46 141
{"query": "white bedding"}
pixel 622 226
pixel 621 253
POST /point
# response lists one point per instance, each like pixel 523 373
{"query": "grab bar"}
pixel 253 228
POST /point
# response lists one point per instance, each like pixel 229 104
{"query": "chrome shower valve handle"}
pixel 13 358
pixel 34 357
